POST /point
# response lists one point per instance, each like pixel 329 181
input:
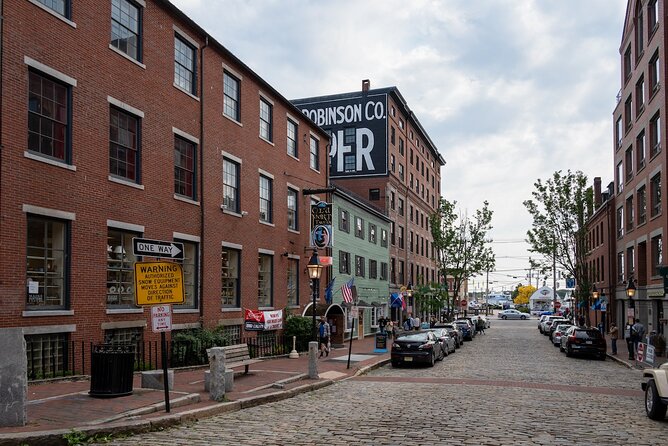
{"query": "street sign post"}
pixel 463 303
pixel 557 305
pixel 161 316
pixel 157 248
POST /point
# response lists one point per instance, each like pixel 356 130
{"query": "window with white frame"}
pixel 372 233
pixel 266 111
pixel 62 7
pixel 231 96
pixel 359 266
pixel 655 195
pixel 49 110
pixel 185 168
pixel 344 262
pixel 46 263
pixel 120 268
pixel 266 199
pixel 231 185
pixel 314 149
pixel 124 145
pixel 293 222
pixel 264 280
pixel 230 277
pixel 189 266
pixel 640 150
pixel 657 254
pixel 359 227
pixel 293 282
pixel 292 138
pixel 383 238
pixel 642 205
pixel 655 135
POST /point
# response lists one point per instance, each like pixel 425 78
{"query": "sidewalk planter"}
pixel 112 367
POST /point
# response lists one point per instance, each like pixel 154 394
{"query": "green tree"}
pixel 461 246
pixel 560 209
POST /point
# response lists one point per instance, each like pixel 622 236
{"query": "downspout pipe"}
pixel 201 180
pixel 2 94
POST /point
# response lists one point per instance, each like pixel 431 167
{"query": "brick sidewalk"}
pixel 623 355
pixel 57 407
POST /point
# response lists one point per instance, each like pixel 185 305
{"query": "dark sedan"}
pixel 422 347
pixel 583 340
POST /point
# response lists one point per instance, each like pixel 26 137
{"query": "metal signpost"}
pixel 159 284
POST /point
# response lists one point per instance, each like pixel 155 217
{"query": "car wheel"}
pixel 569 352
pixel 443 354
pixel 504 317
pixel 602 356
pixel 655 408
pixel 522 317
pixel 561 349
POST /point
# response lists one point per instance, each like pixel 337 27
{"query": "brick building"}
pixel 381 151
pixel 640 163
pixel 124 119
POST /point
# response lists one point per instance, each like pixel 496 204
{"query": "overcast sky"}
pixel 508 90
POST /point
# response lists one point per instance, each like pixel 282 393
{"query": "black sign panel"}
pixel 358 128
pixel 157 248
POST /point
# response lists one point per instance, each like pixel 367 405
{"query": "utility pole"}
pixel 554 274
pixel 487 293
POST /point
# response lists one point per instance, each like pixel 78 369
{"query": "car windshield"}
pixel 416 337
pixel 562 327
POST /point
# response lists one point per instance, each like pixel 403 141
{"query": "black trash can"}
pixel 112 367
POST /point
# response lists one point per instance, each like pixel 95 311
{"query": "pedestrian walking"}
pixel 324 331
pixel 408 323
pixel 614 334
pixel 390 329
pixel 629 341
pixel 480 324
pixel 637 334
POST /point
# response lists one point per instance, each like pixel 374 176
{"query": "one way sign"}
pixel 157 248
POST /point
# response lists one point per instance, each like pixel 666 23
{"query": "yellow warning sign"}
pixel 158 283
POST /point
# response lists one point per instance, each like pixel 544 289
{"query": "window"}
pixel 401 237
pixel 266 199
pixel 383 270
pixel 392 231
pixel 410 157
pixel 655 195
pixel 620 222
pixel 230 185
pixel 629 163
pixel 410 212
pixel 630 215
pixel 392 135
pixel 292 138
pixel 189 265
pixel 627 64
pixel 359 266
pixel 373 231
pixel 401 206
pixel 359 227
pixel 392 163
pixel 628 113
pixel 48 355
pixel 349 163
pixel 618 132
pixel 654 135
pixel 630 261
pixel 654 73
pixel 184 168
pixel 47 263
pixel 292 210
pixel 393 270
pixel 62 7
pixel 383 238
pixel 120 269
pixel 642 205
pixel 184 65
pixel 401 146
pixel 349 135
pixel 231 99
pixel 48 117
pixel 315 154
pixel 230 266
pixel 410 241
pixel 126 28
pixel 640 151
pixel 264 280
pixel 392 200
pixel 374 194
pixel 652 15
pixel 639 31
pixel 124 145
pixel 344 262
pixel 373 269
pixel 620 267
pixel 619 177
pixel 266 110
pixel 293 282
pixel 344 220
pixel 402 272
pixel 640 95
pixel 657 254
pixel 401 172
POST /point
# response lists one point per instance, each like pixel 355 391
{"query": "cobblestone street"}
pixel 508 387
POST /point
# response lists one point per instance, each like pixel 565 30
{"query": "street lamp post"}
pixel 314 272
pixel 631 292
pixel 594 295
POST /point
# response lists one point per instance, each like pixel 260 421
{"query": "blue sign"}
pixel 570 282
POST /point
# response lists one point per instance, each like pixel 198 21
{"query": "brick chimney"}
pixel 366 84
pixel 597 192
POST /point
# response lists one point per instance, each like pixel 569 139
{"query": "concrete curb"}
pixel 619 361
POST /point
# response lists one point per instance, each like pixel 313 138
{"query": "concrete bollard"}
pixel 217 368
pixel 313 360
pixel 294 354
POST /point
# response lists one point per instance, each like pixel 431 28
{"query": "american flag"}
pixel 347 291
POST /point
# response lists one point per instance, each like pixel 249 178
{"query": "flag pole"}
pixel 352 329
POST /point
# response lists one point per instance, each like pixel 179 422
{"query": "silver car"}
pixel 559 332
pixel 512 314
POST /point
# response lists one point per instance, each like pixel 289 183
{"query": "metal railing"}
pixel 60 358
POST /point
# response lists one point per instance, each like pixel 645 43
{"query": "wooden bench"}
pixel 237 355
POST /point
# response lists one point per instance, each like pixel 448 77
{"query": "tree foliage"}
pixel 560 209
pixel 523 294
pixel 461 245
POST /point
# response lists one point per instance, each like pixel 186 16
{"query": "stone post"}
pixel 313 360
pixel 13 378
pixel 217 368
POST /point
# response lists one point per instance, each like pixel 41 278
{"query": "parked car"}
pixel 542 319
pixel 583 340
pixel 559 331
pixel 465 326
pixel 512 314
pixel 656 392
pixel 454 331
pixel 545 325
pixel 474 320
pixel 553 326
pixel 447 342
pixel 413 347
